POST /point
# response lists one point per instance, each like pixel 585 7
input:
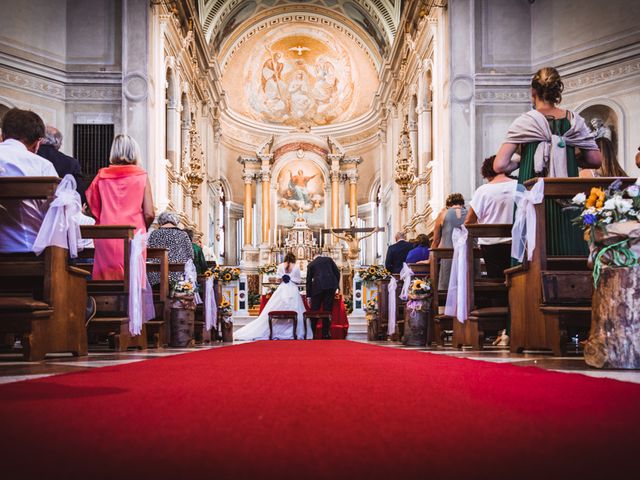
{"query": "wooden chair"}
pixel 112 296
pixel 383 308
pixel 487 298
pixel 42 298
pixel 314 317
pixel 536 321
pixel 441 323
pixel 283 315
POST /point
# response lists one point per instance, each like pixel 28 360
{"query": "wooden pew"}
pixel 441 322
pixel 487 298
pixel 112 296
pixel 541 321
pixel 42 298
pixel 159 328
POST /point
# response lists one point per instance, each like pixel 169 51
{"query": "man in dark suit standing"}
pixel 64 164
pixel 323 279
pixel 397 253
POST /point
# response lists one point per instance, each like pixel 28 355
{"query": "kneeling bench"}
pixel 317 315
pixel 283 315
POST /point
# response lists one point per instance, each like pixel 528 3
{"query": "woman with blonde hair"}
pixel 553 142
pixel 120 194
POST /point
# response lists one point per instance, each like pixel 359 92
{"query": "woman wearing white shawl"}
pixel 552 142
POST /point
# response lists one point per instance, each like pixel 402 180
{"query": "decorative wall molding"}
pixel 493 95
pixel 602 75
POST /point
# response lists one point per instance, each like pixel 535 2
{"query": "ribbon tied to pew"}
pixel 457 305
pixel 405 275
pixel 141 308
pixel 391 312
pixel 523 232
pixel 60 226
pixel 210 305
pixel 191 275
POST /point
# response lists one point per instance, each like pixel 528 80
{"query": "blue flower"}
pixel 589 219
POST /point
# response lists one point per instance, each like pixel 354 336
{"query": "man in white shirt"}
pixel 20 220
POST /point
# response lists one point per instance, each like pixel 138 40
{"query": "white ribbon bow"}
pixel 523 232
pixel 457 305
pixel 391 313
pixel 141 308
pixel 210 305
pixel 405 275
pixel 60 226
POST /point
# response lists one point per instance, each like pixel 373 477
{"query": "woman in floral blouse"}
pixel 174 239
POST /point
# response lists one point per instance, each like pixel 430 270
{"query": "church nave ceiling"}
pixel 299 64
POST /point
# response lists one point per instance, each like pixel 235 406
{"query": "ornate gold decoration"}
pixel 195 175
pixel 404 169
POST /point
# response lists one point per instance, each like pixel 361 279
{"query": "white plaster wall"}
pixel 35 28
pixel 571 30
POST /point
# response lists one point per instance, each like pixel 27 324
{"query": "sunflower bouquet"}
pixel 268 269
pixel 226 274
pixel 374 272
pixel 371 306
pixel 225 309
pixel 420 287
pixel 611 221
pixel 183 287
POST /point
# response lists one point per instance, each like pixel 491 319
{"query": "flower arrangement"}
pixel 420 287
pixel 611 221
pixel 183 287
pixel 268 269
pixel 373 273
pixel 225 309
pixel 371 306
pixel 348 305
pixel 226 274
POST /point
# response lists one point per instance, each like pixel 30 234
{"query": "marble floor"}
pixel 13 369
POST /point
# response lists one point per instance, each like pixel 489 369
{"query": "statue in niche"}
pixel 600 130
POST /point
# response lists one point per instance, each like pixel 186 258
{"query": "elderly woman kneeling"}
pixel 174 239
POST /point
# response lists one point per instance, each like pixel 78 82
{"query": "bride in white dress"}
pixel 286 297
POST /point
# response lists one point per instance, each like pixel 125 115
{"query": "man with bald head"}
pixel 64 164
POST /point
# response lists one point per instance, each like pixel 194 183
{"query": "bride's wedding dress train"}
pixel 286 297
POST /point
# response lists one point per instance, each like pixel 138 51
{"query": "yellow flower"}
pixel 208 273
pixel 372 270
pixel 227 277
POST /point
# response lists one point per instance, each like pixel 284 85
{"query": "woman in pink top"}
pixel 119 195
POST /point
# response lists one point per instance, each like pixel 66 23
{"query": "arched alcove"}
pixel 611 116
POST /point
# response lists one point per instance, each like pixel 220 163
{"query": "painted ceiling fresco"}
pixel 300 75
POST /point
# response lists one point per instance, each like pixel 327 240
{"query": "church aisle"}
pixel 318 410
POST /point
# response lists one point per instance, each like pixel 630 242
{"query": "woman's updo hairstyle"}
pixel 548 85
pixel 290 258
pixel 455 199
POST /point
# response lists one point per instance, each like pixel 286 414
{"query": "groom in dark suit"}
pixel 323 279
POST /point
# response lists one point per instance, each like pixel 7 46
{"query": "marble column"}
pixel 248 207
pixel 353 199
pixel 335 199
pixel 266 205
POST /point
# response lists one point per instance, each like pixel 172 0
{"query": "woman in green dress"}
pixel 556 151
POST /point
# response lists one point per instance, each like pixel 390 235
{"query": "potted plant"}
pixel 373 319
pixel 225 311
pixel 182 318
pixel 611 221
pixel 417 328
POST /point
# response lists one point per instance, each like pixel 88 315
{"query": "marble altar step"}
pixel 357 326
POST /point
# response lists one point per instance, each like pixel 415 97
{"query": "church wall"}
pixel 574 30
pixel 62 60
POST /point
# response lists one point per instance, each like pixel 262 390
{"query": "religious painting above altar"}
pixel 300 188
pixel 300 76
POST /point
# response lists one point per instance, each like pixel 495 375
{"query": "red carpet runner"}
pixel 311 410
